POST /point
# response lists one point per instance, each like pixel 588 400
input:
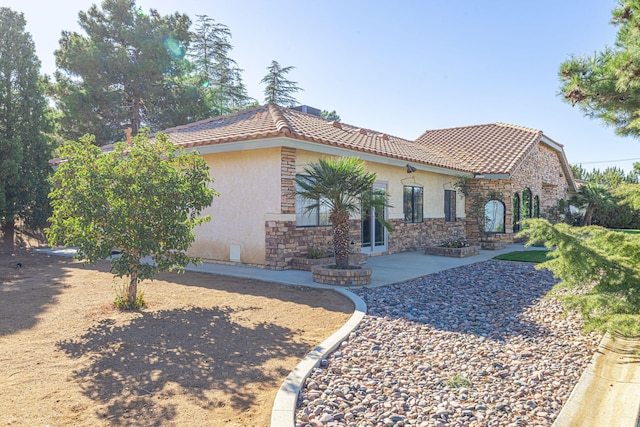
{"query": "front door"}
pixel 374 235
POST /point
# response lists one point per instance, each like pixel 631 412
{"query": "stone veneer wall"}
pixel 287 183
pixel 416 236
pixel 541 172
pixel 283 239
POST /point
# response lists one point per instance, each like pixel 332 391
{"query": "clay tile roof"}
pixel 273 121
pixel 484 149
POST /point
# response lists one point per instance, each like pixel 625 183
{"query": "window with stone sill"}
pixel 317 217
pixel 449 206
pixel 413 204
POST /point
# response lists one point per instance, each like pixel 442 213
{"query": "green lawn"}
pixel 627 231
pixel 524 256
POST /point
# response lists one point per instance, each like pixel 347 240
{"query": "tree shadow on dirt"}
pixel 487 299
pixel 315 298
pixel 29 285
pixel 135 367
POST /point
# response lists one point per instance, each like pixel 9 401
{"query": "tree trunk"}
pixel 132 290
pixel 8 236
pixel 588 216
pixel 341 243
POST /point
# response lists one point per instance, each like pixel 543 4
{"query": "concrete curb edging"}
pixel 608 391
pixel 284 406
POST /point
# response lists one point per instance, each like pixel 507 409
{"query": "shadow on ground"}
pixel 175 351
pixel 315 298
pixel 29 285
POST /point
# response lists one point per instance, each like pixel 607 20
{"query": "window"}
pixel 311 218
pixel 494 217
pixel 449 205
pixel 527 208
pixel 536 207
pixel 516 212
pixel 413 204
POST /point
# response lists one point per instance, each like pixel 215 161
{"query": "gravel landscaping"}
pixel 474 346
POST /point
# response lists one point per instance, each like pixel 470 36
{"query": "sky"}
pixel 403 67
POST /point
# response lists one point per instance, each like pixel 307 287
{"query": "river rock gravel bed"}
pixel 473 346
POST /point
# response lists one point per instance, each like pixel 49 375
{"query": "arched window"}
pixel 494 217
pixel 536 207
pixel 527 208
pixel 516 209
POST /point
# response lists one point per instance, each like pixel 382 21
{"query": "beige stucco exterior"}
pixel 249 185
pixel 254 221
pixel 396 178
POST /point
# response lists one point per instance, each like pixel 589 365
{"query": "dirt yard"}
pixel 207 350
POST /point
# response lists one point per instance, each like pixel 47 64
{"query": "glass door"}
pixel 374 235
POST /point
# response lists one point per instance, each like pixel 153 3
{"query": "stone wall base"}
pixel 357 276
pixel 453 252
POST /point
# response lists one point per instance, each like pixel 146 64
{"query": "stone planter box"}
pixel 452 252
pixel 302 263
pixel 354 276
pixel 492 246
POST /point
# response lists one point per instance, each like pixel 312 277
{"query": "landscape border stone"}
pixel 284 406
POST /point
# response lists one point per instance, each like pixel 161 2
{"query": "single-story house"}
pixel 254 156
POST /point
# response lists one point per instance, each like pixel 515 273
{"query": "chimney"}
pixel 308 110
pixel 128 132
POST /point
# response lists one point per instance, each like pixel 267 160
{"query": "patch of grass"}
pixel 524 256
pixel 627 231
pixel 121 300
pixel 457 381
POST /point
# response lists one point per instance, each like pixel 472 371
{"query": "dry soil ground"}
pixel 206 350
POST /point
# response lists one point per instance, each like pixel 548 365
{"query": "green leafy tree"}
pixel 143 199
pixel 344 187
pixel 24 147
pixel 278 90
pixel 590 197
pixel 217 73
pixel 330 115
pixel 606 85
pixel 128 71
pixel 599 272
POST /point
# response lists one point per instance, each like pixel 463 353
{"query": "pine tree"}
pixel 24 148
pixel 128 71
pixel 217 73
pixel 607 85
pixel 278 89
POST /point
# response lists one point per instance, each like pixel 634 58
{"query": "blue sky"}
pixel 402 67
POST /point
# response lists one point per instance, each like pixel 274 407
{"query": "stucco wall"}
pixel 405 237
pixel 249 187
pixel 396 178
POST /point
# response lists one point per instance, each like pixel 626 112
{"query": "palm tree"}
pixel 590 197
pixel 344 187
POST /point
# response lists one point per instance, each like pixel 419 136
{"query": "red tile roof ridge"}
pixel 518 127
pixel 278 119
pixel 213 119
pixel 371 132
pixel 459 127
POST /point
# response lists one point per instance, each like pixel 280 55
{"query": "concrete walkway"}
pixel 387 269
